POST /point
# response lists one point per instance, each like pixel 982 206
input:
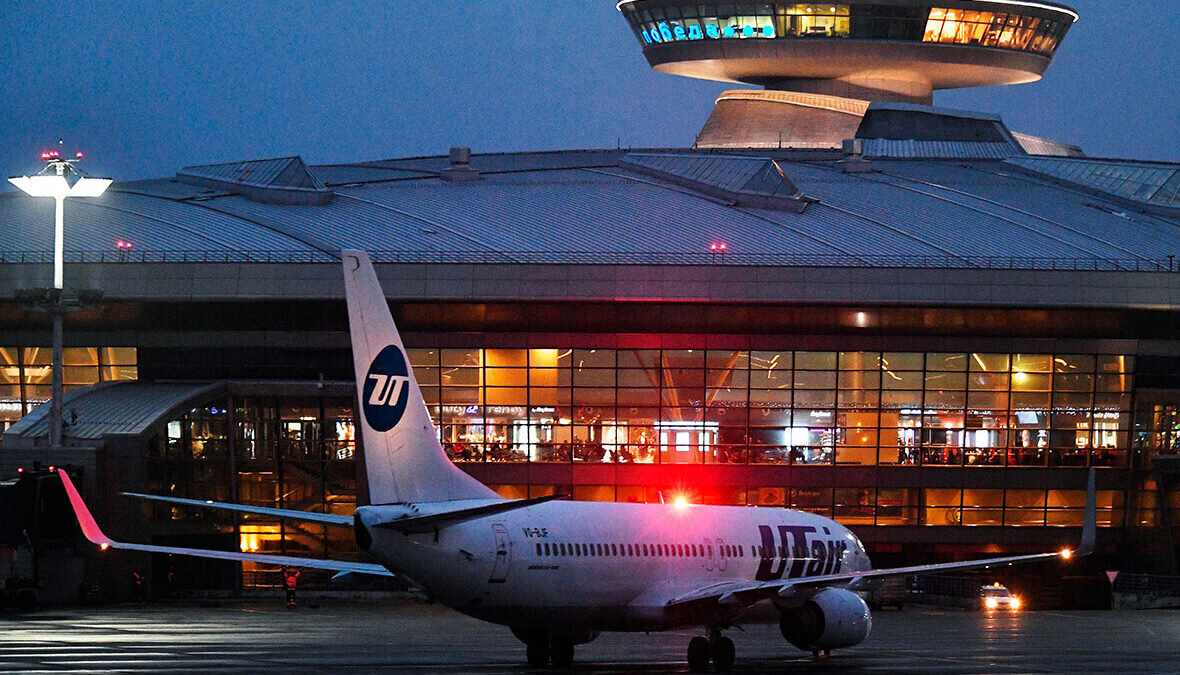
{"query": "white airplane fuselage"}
pixel 607 566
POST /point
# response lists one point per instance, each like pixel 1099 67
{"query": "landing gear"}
pixel 541 650
pixel 698 654
pixel 723 654
pixel 545 646
pixel 538 653
pixel 562 652
pixel 716 648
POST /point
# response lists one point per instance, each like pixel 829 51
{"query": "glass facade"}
pixel 694 406
pixel 866 21
pixel 284 452
pixel 751 410
pixel 26 374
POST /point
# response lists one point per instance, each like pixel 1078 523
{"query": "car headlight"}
pixel 1015 603
pixel 991 603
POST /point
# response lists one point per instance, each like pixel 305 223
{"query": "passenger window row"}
pixel 550 549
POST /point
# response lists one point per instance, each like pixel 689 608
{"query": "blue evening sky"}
pixel 147 87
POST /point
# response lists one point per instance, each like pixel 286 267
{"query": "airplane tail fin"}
pixel 404 460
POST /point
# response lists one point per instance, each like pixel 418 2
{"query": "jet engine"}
pixel 830 619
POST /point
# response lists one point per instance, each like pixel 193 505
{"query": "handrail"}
pixel 729 259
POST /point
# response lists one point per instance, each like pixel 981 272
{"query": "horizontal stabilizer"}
pixel 355 577
pixel 290 514
pixel 95 534
pixel 419 524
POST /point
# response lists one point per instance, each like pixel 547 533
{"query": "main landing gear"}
pixel 716 648
pixel 540 650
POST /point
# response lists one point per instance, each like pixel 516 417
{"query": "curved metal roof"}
pixel 568 206
pixel 116 408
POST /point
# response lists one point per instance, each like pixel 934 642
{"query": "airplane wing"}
pixel 95 534
pixel 748 593
pixel 735 593
pixel 290 514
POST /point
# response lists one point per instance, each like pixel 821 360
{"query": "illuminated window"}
pixel 942 507
pixel 656 26
pixel 897 506
pixel 1024 507
pixel 856 505
pixel 983 507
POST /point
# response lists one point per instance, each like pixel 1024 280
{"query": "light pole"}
pixel 58 179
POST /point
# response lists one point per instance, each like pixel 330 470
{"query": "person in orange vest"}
pixel 290 581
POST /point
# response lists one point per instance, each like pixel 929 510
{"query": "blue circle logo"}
pixel 386 389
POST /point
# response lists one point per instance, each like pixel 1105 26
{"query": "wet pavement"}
pixel 424 638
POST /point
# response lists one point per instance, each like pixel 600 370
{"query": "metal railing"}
pixel 1163 264
pixel 1154 584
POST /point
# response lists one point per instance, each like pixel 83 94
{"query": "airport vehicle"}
pixel 34 517
pixel 890 592
pixel 558 573
pixel 997 596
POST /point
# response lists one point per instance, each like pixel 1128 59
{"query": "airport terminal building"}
pixel 913 319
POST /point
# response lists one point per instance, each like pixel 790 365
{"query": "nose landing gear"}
pixel 561 652
pixel 716 648
pixel 540 650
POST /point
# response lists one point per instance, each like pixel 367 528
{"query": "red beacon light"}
pixel 79 155
pixel 20 469
pixel 52 468
pixel 718 247
pixel 123 245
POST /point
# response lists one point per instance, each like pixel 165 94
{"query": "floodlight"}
pixel 54 182
pixel 42 186
pixel 89 187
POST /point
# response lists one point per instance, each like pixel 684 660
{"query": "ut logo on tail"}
pixel 386 389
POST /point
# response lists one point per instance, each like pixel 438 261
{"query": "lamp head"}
pixel 60 188
pixel 60 179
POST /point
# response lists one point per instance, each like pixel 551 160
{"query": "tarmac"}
pixel 362 637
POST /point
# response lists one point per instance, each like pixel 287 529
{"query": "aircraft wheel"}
pixel 698 654
pixel 538 653
pixel 723 654
pixel 562 653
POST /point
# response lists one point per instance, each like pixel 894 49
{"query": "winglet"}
pixel 1090 525
pixel 90 528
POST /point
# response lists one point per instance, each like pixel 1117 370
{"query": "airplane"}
pixel 557 573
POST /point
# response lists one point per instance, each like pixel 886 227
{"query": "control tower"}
pixel 823 64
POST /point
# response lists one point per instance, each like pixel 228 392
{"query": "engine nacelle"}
pixel 831 619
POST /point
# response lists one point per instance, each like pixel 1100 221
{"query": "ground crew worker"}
pixel 290 581
pixel 137 577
